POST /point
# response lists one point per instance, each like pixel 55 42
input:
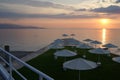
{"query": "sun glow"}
pixel 104 21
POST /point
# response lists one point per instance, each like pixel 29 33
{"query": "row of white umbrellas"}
pixel 80 63
pixel 75 64
pixel 73 42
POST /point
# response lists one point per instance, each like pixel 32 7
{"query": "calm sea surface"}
pixel 34 39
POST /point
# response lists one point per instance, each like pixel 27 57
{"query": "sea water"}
pixel 34 39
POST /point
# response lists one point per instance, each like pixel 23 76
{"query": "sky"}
pixel 61 13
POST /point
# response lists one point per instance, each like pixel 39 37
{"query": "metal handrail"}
pixel 10 64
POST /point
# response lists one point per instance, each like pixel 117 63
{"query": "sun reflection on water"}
pixel 104 36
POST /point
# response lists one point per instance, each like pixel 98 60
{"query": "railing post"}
pixel 7 48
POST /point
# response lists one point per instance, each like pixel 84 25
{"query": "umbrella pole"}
pixel 84 55
pixel 79 74
pixel 65 59
pixel 98 61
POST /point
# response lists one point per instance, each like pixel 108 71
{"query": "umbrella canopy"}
pixel 79 64
pixel 109 45
pixel 58 41
pixel 96 42
pixel 57 44
pixel 116 59
pixel 65 35
pixel 99 51
pixel 71 42
pixel 65 53
pixel 72 34
pixel 84 46
pixel 87 40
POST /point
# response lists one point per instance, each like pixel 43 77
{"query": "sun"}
pixel 104 21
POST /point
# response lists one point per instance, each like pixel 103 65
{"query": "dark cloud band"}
pixel 111 10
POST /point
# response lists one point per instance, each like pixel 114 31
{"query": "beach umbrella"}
pixel 64 53
pixel 58 41
pixel 116 59
pixel 65 35
pixel 96 42
pixel 79 64
pixel 99 51
pixel 87 40
pixel 72 34
pixel 71 42
pixel 109 45
pixel 57 44
pixel 84 46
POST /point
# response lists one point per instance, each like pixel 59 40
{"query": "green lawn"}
pixel 46 63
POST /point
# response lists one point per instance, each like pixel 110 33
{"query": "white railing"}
pixel 10 59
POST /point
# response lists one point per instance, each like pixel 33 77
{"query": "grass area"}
pixel 46 63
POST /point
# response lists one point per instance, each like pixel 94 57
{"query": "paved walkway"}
pixel 35 54
pixel 31 56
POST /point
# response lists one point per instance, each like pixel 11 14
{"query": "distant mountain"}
pixel 14 26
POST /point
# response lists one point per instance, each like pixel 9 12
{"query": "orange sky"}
pixel 61 13
pixel 64 23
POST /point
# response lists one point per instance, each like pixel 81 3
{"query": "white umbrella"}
pixel 65 35
pixel 116 59
pixel 79 64
pixel 72 34
pixel 84 46
pixel 87 40
pixel 99 51
pixel 57 44
pixel 65 53
pixel 109 45
pixel 71 42
pixel 58 41
pixel 96 42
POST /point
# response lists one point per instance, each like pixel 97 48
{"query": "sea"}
pixel 35 39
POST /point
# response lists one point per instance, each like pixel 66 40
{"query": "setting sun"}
pixel 104 21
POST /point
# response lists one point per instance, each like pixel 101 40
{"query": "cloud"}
pixel 118 1
pixel 110 9
pixel 36 3
pixel 13 15
pixel 83 9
